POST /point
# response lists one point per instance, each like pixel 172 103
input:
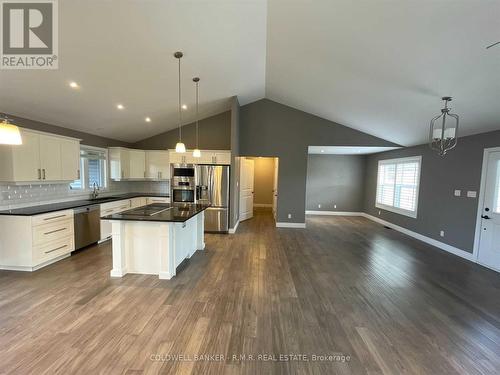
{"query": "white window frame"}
pixel 398 210
pixel 83 177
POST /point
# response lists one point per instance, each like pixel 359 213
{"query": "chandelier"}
pixel 443 133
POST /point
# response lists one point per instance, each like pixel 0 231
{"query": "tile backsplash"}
pixel 16 196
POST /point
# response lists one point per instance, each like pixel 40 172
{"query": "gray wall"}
pixel 438 208
pixel 87 139
pixel 335 180
pixel 234 198
pixel 271 129
pixel 214 134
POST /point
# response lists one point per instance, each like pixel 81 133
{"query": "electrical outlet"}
pixel 334 206
pixel 458 193
pixel 441 233
pixel 319 206
pixel 379 212
pixel 471 194
pixel 289 216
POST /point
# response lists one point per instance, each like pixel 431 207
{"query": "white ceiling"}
pixel 382 66
pixel 376 66
pixel 121 51
pixel 347 150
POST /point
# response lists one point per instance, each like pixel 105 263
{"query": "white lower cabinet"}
pixel 123 205
pixel 151 200
pixel 110 209
pixel 31 242
pixel 137 202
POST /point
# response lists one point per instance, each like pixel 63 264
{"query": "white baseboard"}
pixel 262 204
pixel 335 213
pixel 35 268
pixel 441 245
pixel 291 225
pixel 233 230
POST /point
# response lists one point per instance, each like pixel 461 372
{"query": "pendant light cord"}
pixel 180 110
pixel 197 115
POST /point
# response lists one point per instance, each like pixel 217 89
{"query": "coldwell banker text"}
pixel 29 34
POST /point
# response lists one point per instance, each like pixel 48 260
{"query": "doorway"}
pixel 489 212
pixel 259 186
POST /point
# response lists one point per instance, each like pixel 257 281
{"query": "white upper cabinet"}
pixel 50 158
pixel 119 164
pixel 70 163
pixel 127 163
pixel 137 160
pixel 222 157
pixel 207 157
pixel 39 158
pixel 157 165
pixel 25 159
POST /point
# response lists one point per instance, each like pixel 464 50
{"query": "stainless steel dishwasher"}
pixel 87 225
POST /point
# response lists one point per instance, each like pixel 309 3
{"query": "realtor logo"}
pixel 29 34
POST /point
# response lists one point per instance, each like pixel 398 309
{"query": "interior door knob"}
pixel 485 217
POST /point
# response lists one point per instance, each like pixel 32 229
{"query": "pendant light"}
pixel 9 133
pixel 443 135
pixel 196 151
pixel 180 147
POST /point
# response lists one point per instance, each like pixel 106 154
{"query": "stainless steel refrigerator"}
pixel 212 186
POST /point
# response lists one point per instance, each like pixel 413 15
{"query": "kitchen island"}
pixel 155 239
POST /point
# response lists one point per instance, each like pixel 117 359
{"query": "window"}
pixel 93 163
pixel 397 185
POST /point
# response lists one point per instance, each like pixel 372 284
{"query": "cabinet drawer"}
pixel 52 231
pixel 115 210
pixel 115 205
pixel 52 217
pixel 151 200
pixel 48 251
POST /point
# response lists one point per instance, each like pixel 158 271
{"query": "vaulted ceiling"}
pixel 377 66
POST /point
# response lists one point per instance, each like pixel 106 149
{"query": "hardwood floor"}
pixel 345 286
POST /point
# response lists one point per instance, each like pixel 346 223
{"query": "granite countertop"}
pixel 160 212
pixel 52 207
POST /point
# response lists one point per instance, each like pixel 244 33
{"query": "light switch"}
pixel 458 193
pixel 471 194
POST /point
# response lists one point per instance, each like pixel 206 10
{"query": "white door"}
pixel 246 189
pixel 275 188
pixel 70 160
pixel 489 242
pixel 50 157
pixel 26 158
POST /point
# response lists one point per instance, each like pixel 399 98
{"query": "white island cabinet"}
pixel 156 239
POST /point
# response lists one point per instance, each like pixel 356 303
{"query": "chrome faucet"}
pixel 95 190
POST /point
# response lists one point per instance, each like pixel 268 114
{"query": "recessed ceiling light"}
pixel 120 106
pixel 184 106
pixel 148 119
pixel 73 85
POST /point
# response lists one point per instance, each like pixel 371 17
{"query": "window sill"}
pixel 412 214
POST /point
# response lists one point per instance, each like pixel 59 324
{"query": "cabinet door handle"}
pixel 39 174
pixel 57 248
pixel 55 231
pixel 54 217
pixel 43 170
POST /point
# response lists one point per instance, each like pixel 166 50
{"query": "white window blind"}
pixel 397 185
